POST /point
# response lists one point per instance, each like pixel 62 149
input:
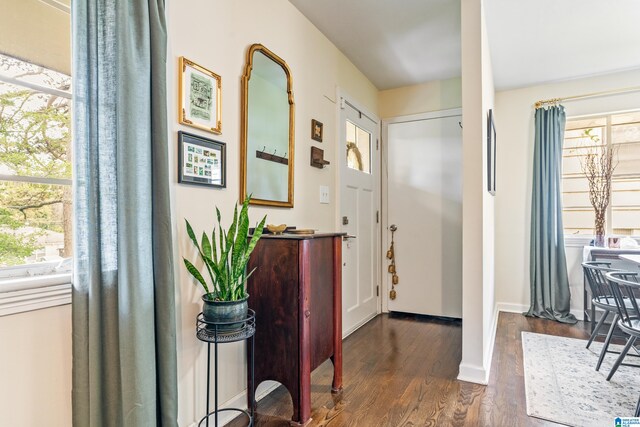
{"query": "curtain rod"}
pixel 588 95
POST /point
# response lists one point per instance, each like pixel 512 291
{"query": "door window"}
pixel 358 148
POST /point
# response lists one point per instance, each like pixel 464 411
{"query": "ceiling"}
pixel 532 41
pixel 392 45
pixel 540 41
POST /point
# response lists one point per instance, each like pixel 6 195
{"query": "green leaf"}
pixel 221 231
pixel 241 238
pixel 196 274
pixel 232 229
pixel 214 250
pixel 192 235
pixel 206 245
pixel 257 234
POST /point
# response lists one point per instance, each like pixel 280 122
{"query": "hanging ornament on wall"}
pixel 391 255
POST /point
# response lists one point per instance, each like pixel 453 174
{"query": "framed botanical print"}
pixel 199 97
pixel 201 161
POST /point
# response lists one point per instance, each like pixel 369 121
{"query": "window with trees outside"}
pixel 35 171
pixel 621 132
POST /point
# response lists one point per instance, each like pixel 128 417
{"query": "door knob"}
pixel 393 227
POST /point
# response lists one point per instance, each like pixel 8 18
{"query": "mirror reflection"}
pixel 267 161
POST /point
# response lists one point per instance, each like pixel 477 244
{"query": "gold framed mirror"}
pixel 267 130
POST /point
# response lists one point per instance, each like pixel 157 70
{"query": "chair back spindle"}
pixel 626 290
pixel 594 272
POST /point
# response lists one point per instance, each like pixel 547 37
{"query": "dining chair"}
pixel 602 298
pixel 625 288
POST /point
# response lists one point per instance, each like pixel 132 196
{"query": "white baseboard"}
pixel 508 307
pixel 238 401
pixel 357 326
pixel 473 374
pixel 480 374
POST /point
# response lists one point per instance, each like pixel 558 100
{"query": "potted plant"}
pixel 225 258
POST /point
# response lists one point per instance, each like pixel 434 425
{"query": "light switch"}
pixel 324 194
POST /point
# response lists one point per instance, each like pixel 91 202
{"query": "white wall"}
pixel 515 134
pixel 488 216
pixel 478 306
pixel 422 98
pixel 35 368
pixel 216 35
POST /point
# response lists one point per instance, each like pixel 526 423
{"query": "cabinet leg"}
pixel 300 424
pixel 336 386
pixel 301 405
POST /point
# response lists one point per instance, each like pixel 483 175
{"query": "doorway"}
pixel 359 214
pixel 422 198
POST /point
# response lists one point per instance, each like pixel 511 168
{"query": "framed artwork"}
pixel 201 161
pixel 491 154
pixel 316 130
pixel 199 97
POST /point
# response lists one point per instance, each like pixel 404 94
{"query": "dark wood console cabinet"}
pixel 296 292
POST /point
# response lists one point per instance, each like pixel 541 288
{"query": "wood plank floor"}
pixel 401 371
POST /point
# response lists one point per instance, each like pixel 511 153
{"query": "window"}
pixel 358 148
pixel 35 172
pixel 622 133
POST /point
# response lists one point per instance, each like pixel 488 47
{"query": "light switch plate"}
pixel 324 194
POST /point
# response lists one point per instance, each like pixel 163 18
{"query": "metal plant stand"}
pixel 217 333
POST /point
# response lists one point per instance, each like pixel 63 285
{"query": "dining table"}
pixel 631 257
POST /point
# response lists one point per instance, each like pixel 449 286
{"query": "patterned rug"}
pixel 562 385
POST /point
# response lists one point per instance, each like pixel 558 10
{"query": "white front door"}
pixel 359 205
pixel 424 200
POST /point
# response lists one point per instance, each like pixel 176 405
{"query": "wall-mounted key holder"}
pixel 272 157
pixel 317 158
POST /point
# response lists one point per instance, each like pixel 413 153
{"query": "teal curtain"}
pixel 124 343
pixel 550 294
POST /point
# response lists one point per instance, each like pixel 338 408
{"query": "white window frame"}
pixel 581 240
pixel 40 285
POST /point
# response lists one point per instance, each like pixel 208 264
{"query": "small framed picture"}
pixel 199 97
pixel 316 130
pixel 491 154
pixel 201 161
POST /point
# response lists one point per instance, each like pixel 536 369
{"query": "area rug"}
pixel 562 385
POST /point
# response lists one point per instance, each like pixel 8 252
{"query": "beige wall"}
pixel 514 126
pixel 35 346
pixel 37 32
pixel 422 98
pixel 216 35
pixel 35 368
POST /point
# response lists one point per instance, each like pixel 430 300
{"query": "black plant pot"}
pixel 224 314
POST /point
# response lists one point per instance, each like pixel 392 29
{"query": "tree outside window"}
pixel 35 164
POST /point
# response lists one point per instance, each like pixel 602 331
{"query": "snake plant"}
pixel 226 256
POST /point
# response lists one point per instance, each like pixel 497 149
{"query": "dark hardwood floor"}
pixel 401 371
